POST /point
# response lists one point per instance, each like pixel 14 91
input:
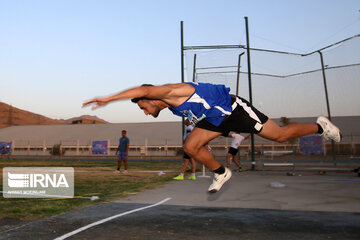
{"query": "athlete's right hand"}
pixel 99 102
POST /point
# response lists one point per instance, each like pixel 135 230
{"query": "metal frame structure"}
pixel 248 50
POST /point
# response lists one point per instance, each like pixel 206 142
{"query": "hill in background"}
pixel 12 116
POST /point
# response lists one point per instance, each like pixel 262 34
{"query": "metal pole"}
pixel 194 69
pixel 182 50
pixel 237 90
pixel 238 74
pixel 182 75
pixel 250 91
pixel 327 103
pixel 325 85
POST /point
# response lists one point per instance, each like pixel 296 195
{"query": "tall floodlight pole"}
pixel 238 74
pixel 194 69
pixel 182 71
pixel 250 91
pixel 182 50
pixel 327 103
pixel 238 83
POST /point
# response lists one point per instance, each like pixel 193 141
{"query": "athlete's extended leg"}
pixel 274 132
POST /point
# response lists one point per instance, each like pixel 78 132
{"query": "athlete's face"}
pixel 149 107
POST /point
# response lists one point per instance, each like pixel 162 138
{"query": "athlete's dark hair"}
pixel 135 100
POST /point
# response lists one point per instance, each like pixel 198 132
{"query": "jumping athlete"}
pixel 214 112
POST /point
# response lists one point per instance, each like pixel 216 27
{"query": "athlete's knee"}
pixel 191 149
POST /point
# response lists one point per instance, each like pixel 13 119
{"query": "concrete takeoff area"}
pixel 253 205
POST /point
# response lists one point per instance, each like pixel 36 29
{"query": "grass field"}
pixel 92 178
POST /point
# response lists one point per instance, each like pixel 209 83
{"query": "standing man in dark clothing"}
pixel 123 149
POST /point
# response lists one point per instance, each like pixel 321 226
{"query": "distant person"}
pixel 3 150
pixel 122 151
pixel 214 112
pixel 233 150
pixel 186 157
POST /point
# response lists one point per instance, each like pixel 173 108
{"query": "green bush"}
pixel 56 150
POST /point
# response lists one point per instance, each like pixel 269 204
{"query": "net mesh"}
pixel 286 85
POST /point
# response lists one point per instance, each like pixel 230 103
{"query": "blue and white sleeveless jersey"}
pixel 210 102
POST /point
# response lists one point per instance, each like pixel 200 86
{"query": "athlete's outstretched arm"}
pixel 168 93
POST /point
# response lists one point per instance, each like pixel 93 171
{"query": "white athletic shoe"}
pixel 219 180
pixel 125 171
pixel 330 131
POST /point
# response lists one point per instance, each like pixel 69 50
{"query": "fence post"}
pixel 146 146
pixel 262 157
pixel 12 146
pixel 166 147
pixel 44 147
pixel 352 145
pixel 60 149
pixel 28 148
pixel 77 147
pixel 90 147
pixel 327 103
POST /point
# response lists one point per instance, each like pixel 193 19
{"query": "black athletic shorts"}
pixel 244 118
pixel 233 151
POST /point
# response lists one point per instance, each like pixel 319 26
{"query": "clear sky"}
pixel 56 54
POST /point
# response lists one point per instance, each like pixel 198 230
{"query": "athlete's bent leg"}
pixel 194 146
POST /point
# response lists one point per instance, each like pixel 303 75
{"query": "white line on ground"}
pixel 108 219
pixel 50 196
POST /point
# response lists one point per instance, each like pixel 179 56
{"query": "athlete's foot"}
pixel 219 180
pixel 179 177
pixel 240 169
pixel 330 131
pixel 192 178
